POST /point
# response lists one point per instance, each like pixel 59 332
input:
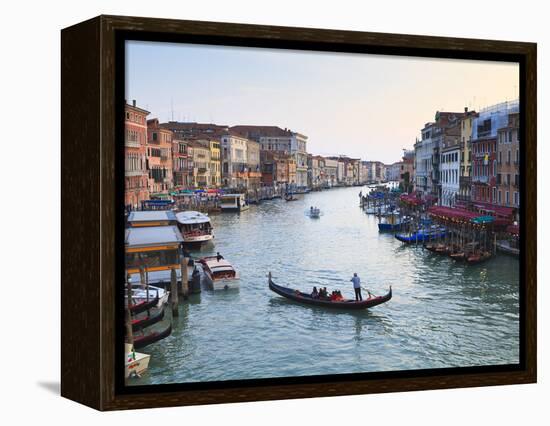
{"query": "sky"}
pixel 364 106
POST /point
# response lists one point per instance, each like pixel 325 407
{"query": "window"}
pixel 516 198
pixel 507 197
pixel 494 195
pixel 509 154
pixel 500 197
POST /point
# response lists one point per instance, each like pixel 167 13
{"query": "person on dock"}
pixel 357 286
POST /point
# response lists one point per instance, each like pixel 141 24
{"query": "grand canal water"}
pixel 442 314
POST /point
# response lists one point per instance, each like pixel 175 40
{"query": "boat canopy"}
pixel 158 202
pixel 411 199
pixel 152 236
pixel 151 216
pixel 192 217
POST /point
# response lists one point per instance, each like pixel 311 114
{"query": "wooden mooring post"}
pixel 174 292
pixel 184 288
pixel 128 315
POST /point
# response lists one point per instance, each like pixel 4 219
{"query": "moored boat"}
pixel 152 337
pixel 143 306
pixel 233 202
pixel 348 304
pixel 136 363
pixel 195 227
pixel 219 273
pixel 421 235
pixel 141 323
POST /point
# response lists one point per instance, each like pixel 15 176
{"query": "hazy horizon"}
pixel 367 106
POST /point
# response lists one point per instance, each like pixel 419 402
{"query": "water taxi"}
pixel 219 273
pixel 233 202
pixel 195 227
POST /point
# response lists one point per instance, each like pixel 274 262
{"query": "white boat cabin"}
pixel 195 227
pixel 233 202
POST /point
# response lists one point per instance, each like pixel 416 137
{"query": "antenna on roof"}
pixel 172 107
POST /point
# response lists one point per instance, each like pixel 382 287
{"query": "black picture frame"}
pixel 92 210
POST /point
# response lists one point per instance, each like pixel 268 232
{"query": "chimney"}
pixel 133 102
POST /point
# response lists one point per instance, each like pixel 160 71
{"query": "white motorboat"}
pixel 219 273
pixel 139 294
pixel 135 363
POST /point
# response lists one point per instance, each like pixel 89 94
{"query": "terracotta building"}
pixel 508 163
pixel 135 142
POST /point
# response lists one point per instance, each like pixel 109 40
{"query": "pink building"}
pixel 159 158
pixel 135 164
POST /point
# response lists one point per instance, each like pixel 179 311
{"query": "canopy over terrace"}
pixel 453 214
pixel 411 199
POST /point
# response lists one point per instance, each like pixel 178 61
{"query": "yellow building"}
pixel 215 163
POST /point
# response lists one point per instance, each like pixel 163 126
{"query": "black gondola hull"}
pixel 304 298
pixel 144 306
pixel 142 341
pixel 148 321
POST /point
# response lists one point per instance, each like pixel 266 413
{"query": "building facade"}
pixel 508 189
pixel 136 182
pixel 159 158
pixel 182 164
pixel 465 180
pixel 234 161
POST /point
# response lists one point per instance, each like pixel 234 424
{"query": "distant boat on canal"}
pixel 314 212
pixel 195 227
pixel 233 202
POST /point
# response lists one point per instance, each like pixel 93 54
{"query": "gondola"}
pixel 154 336
pixel 144 306
pixel 348 304
pixel 141 323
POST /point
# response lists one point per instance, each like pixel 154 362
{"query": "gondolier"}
pixel 357 286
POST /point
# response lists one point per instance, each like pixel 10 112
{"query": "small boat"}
pixel 421 235
pixel 233 202
pixel 140 294
pixel 314 213
pixel 140 323
pixel 504 246
pixel 219 273
pixel 307 299
pixel 136 363
pixel 478 257
pixel 392 223
pixel 152 337
pixel 144 305
pixel 290 197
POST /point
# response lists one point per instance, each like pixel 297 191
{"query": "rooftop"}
pixel 152 236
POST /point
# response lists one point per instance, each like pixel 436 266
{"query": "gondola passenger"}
pixel 315 293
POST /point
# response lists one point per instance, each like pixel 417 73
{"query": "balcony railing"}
pixel 480 179
pixel 465 180
pixel 132 144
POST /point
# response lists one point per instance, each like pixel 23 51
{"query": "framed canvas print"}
pixel 256 212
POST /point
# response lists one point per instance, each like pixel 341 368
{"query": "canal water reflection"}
pixel 442 314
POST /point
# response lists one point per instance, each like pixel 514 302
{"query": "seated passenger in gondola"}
pixel 315 293
pixel 334 296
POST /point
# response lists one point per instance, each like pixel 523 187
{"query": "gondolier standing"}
pixel 357 286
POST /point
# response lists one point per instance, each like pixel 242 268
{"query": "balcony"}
pixel 130 173
pixel 465 180
pixel 480 179
pixel 254 174
pixel 132 144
